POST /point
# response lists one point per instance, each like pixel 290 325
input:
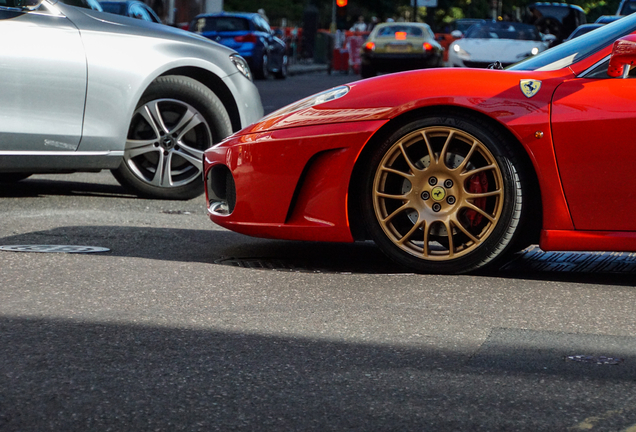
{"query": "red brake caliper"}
pixel 478 183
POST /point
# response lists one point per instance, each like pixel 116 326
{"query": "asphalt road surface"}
pixel 183 325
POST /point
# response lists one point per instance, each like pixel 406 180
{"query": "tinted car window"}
pixel 221 24
pixel 409 30
pixel 577 49
pixel 627 8
pixel 114 7
pixel 503 31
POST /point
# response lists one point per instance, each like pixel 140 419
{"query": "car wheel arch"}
pixel 531 235
pixel 217 86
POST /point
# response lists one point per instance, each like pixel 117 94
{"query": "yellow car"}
pixel 393 47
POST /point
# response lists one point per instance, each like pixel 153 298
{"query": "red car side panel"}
pixel 588 241
pixel 594 127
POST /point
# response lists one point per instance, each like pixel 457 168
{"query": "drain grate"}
pixel 534 259
pixel 54 248
pixel 600 360
pixel 268 264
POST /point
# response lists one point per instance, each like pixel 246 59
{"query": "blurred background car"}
pixel 131 8
pixel 88 4
pixel 505 42
pixel 606 19
pixel 393 47
pixel 156 97
pixel 558 19
pixel 582 29
pixel 626 7
pixel 453 31
pixel 248 34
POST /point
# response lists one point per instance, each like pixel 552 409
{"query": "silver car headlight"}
pixel 241 65
pixel 319 98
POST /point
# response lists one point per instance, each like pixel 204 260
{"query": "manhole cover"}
pixel 53 248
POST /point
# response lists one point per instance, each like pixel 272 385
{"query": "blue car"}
pixel 131 8
pixel 248 34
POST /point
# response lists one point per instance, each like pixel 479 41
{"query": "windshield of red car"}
pixel 579 48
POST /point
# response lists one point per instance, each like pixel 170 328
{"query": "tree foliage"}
pixel 292 11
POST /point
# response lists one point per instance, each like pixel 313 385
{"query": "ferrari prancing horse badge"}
pixel 529 87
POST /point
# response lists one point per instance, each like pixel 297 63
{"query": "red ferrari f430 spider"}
pixel 448 170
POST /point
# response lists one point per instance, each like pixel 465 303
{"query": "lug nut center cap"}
pixel 438 193
pixel 167 143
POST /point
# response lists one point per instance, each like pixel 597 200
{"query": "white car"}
pixel 503 42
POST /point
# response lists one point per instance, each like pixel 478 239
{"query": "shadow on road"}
pixel 228 248
pixel 38 187
pixel 62 375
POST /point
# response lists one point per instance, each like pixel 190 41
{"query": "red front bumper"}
pixel 289 183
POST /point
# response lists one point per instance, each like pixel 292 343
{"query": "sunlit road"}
pixel 183 325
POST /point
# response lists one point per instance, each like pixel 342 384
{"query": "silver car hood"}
pixel 104 22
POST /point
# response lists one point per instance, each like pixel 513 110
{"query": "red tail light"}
pixel 427 46
pixel 245 38
pixel 369 46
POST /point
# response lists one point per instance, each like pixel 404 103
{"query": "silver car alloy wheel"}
pixel 166 142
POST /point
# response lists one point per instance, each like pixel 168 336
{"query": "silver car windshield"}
pixel 579 48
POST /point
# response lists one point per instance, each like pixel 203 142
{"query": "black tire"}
pixel 13 177
pixel 367 71
pixel 165 162
pixel 282 72
pixel 439 235
pixel 261 72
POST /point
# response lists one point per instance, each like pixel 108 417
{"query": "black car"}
pixel 131 8
pixel 558 19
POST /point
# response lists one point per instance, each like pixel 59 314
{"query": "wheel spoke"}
pixel 442 155
pixel 412 167
pixel 449 232
pixel 163 175
pixel 397 212
pixel 429 148
pixel 155 118
pixel 408 235
pixel 194 156
pixel 465 231
pixel 480 211
pixel 400 173
pixel 188 121
pixel 462 166
pixel 136 148
pixel 472 172
pixel 425 249
pixel 390 196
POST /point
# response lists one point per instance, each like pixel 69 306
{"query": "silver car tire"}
pixel 176 120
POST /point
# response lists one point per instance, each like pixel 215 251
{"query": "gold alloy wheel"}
pixel 438 193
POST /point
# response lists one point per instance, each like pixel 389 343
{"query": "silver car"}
pixel 84 90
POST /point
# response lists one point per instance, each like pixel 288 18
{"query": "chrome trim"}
pixel 591 68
